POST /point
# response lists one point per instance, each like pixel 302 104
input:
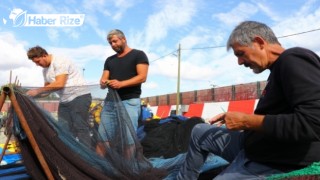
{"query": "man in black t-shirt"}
pixel 124 72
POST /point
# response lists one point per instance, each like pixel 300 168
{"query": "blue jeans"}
pixel 243 168
pixel 133 107
pixel 113 112
pixel 227 144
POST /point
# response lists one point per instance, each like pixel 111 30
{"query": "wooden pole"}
pixel 10 76
pixel 178 82
pixel 16 80
pixel 3 97
pixel 2 100
pixel 28 132
pixel 5 146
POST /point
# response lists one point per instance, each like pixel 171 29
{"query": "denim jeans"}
pixel 243 168
pixel 111 113
pixel 227 144
pixel 133 107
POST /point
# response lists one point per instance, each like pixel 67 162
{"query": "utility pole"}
pixel 178 81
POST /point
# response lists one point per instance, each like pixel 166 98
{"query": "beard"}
pixel 255 70
pixel 119 49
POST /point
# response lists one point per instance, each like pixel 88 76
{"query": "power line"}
pixel 164 56
pixel 210 47
pixel 214 47
pixel 300 33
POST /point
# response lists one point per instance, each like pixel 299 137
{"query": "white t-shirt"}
pixel 75 85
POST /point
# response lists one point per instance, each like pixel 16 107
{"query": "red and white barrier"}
pixel 208 110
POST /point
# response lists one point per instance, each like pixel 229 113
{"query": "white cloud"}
pixel 95 6
pixel 14 64
pixel 268 11
pixel 151 85
pixel 42 7
pixel 53 34
pixel 305 9
pixel 84 54
pixel 170 16
pixel 241 12
pixel 12 54
pixel 113 10
pixel 161 26
pixel 302 21
pixel 166 67
pixel 198 67
pixel 122 6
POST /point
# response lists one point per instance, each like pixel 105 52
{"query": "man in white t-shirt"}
pixel 62 76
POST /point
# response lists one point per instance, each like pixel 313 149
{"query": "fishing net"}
pixel 312 172
pixel 119 154
pixel 71 157
pixel 100 151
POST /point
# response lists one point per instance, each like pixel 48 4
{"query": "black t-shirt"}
pixel 124 68
pixel 291 103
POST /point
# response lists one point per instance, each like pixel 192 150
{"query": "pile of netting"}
pixel 67 157
pixel 312 172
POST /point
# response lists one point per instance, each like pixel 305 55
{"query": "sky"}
pixel 158 27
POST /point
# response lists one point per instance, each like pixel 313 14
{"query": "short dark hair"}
pixel 36 51
pixel 116 32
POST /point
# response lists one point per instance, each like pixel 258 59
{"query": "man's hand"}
pixel 33 92
pixel 218 119
pixel 238 121
pixel 104 84
pixel 115 84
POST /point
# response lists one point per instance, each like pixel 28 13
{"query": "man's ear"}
pixel 259 40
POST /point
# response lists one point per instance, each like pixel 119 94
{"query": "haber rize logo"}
pixel 21 18
pixel 18 17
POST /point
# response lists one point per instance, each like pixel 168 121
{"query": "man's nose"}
pixel 240 61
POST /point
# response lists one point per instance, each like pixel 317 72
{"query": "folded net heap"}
pixel 66 156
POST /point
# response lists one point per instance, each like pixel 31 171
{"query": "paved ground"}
pixel 3 137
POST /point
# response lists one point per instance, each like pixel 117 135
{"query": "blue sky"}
pixel 157 27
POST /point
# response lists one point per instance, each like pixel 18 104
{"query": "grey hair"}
pixel 116 32
pixel 246 31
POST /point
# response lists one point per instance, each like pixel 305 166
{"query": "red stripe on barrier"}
pixel 194 110
pixel 246 106
pixel 163 111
